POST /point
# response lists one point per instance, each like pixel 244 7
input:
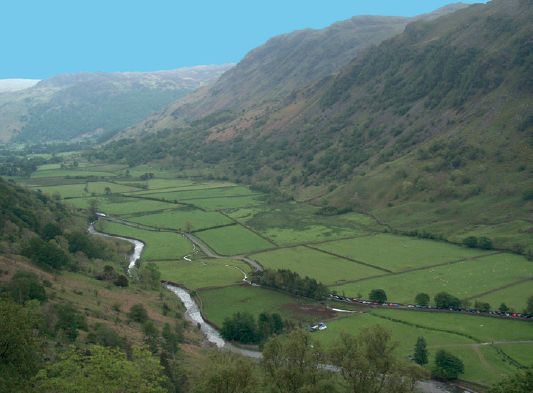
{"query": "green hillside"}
pixel 282 65
pixel 72 106
pixel 430 131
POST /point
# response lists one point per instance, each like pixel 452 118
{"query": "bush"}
pixel 122 281
pixel 447 365
pixel 422 299
pixel 445 300
pixel 138 313
pixel 377 296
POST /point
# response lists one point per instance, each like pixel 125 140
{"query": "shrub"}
pixel 138 313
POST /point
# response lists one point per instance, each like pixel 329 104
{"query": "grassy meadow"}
pixel 349 252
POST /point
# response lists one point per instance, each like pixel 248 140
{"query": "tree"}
pixel 521 382
pixel 171 340
pixel 422 299
pixel 151 336
pixel 421 352
pixel 484 243
pixel 24 286
pixel 529 308
pixel 483 306
pixel 91 210
pixel 20 352
pixel 377 296
pixel 102 370
pixel 470 241
pixel 107 191
pixel 121 281
pixel 368 363
pixel 138 313
pixel 50 231
pixel 503 308
pixel 447 365
pixel 70 320
pixel 445 300
pixel 188 226
pixel 293 363
pixel 226 372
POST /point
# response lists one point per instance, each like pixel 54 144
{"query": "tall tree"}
pixel 20 354
pixel 421 352
pixel 447 365
pixel 294 364
pixel 368 363
pixel 226 372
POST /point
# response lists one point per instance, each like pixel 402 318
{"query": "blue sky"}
pixel 45 38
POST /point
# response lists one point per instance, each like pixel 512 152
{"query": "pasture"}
pixel 123 206
pixel 198 192
pixel 225 202
pixel 85 189
pixel 233 240
pixel 514 297
pixel 311 263
pixel 400 253
pixel 204 273
pixel 176 218
pixel 219 304
pixel 521 353
pixel 159 245
pixel 462 279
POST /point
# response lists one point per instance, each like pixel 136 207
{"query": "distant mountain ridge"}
pixel 16 84
pixel 285 63
pixel 71 106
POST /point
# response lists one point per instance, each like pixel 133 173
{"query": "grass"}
pixel 233 240
pixel 71 173
pixel 483 329
pixel 159 245
pixel 292 223
pixel 224 203
pixel 199 193
pixel 123 206
pixel 463 279
pixel 514 297
pixel 522 353
pixel 195 274
pixel 78 190
pixel 399 253
pixel 221 303
pixel 323 267
pixel 176 218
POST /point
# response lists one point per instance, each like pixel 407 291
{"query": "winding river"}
pixel 194 315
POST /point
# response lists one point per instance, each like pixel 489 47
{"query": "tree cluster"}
pixel 291 282
pixel 244 328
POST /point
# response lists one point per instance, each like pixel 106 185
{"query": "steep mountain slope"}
pixel 429 130
pixel 70 106
pixel 285 63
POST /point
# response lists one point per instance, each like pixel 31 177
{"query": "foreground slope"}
pixel 71 106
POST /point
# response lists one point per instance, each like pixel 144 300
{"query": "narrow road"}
pixel 253 264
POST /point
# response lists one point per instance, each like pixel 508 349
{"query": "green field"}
pixel 198 192
pixel 225 202
pixel 233 240
pixel 176 218
pixel 122 206
pixel 400 253
pixel 307 262
pixel 514 297
pixel 221 303
pixel 198 274
pixel 78 190
pixel 71 173
pixel 482 328
pixel 159 245
pixel 463 279
pixel 521 353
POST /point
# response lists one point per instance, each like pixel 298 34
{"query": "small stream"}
pixel 194 315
